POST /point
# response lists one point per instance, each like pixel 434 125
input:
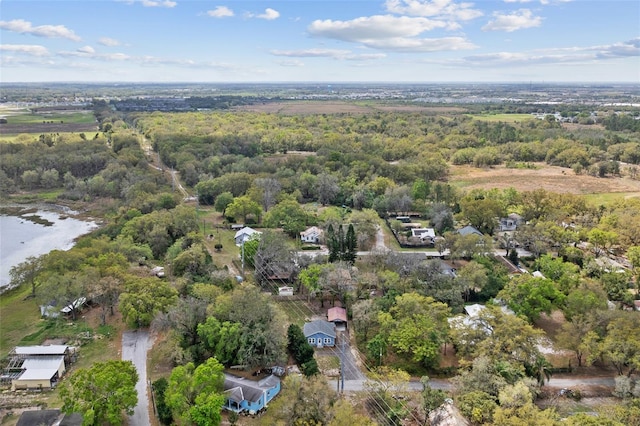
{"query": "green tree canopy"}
pixel 143 298
pixel 101 393
pixel 417 326
pixel 194 394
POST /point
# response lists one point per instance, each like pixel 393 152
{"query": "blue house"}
pixel 320 333
pixel 249 395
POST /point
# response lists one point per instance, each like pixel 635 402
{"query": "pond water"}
pixel 33 232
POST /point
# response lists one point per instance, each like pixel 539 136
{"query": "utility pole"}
pixel 242 257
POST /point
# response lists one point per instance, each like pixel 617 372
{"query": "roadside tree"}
pixel 101 393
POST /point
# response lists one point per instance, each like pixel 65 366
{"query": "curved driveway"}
pixel 135 345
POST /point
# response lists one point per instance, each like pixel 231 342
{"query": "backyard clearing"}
pixel 550 178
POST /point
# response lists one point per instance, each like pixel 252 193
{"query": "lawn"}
pixel 19 317
pixel 297 311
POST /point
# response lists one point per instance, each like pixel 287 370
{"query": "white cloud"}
pixel 329 53
pixel 27 49
pixel 392 33
pixel 220 12
pixel 269 14
pixel 49 31
pixel 312 53
pixel 89 53
pixel 87 49
pixel 545 2
pixel 106 41
pixel 373 27
pixel 517 20
pixel 589 54
pixel 400 44
pixel 365 56
pixel 291 63
pixel 441 9
pixel 152 3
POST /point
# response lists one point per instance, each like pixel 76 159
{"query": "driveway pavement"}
pixel 135 345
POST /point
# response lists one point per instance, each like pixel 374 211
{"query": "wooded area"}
pixel 347 173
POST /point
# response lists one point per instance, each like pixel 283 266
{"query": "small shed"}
pixel 338 316
pixel 320 333
pixel 285 291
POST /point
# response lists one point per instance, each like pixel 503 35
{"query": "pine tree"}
pixel 340 243
pixel 351 245
pixel 332 244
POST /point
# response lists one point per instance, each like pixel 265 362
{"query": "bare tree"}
pixel 270 187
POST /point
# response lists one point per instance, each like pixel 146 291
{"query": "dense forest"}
pixel 350 174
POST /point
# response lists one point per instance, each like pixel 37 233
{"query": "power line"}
pixel 372 397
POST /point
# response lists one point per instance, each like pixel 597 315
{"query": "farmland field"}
pixel 56 121
pixel 337 107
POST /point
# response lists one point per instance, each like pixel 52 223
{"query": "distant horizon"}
pixel 284 41
pixel 327 82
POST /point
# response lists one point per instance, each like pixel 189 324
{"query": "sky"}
pixel 419 41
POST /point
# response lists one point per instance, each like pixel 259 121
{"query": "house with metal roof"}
pixel 246 234
pixel 245 395
pixel 37 367
pixel 320 333
pixel 338 316
pixel 469 230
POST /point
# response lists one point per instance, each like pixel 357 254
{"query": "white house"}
pixel 245 234
pixel 425 234
pixel 311 235
pixel 510 223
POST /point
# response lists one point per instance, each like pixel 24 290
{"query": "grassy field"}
pixel 607 199
pixel 73 117
pixel 550 178
pixel 19 317
pixel 21 122
pixel 297 311
pixel 505 118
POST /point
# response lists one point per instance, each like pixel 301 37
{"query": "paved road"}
pixel 135 345
pixel 350 367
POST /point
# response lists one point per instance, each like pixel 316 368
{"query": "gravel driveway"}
pixel 135 345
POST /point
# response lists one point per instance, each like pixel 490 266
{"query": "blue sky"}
pixel 316 40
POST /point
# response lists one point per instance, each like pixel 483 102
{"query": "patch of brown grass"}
pixel 551 323
pixel 550 178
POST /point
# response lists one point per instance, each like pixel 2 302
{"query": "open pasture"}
pixel 504 118
pixel 343 107
pixel 56 121
pixel 550 178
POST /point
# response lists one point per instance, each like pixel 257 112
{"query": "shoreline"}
pixel 36 229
